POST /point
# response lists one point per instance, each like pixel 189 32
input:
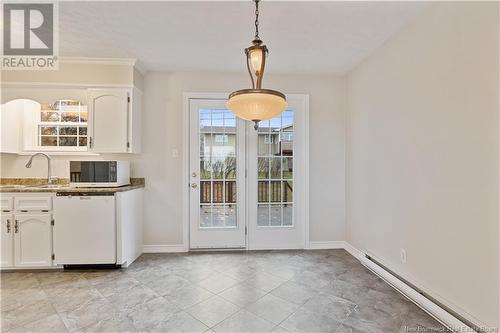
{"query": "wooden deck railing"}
pixel 267 191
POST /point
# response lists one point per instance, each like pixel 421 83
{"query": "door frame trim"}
pixel 186 96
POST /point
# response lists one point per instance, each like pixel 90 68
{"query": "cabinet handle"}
pixel 8 226
pixel 16 227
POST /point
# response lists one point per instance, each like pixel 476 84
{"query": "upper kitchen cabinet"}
pixel 12 115
pixel 88 105
pixel 114 120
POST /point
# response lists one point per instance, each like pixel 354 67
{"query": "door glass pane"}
pixel 275 168
pixel 275 171
pixel 205 169
pixel 206 216
pixel 263 215
pixel 263 165
pixel 218 202
pixel 276 215
pixel 264 138
pixel 230 215
pixel 218 216
pixel 287 188
pixel 275 191
pixel 263 191
pixel 230 192
pixel 288 215
pixel 205 192
pixel 230 167
pixel 287 167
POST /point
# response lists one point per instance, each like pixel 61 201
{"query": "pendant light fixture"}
pixel 256 104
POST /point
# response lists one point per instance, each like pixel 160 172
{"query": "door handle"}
pixel 194 185
pixel 16 227
pixel 8 226
pixel 194 175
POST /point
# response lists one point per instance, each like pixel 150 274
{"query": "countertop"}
pixel 34 185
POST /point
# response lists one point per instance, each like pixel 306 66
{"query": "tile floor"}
pixel 264 291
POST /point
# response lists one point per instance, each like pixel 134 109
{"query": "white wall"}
pixel 423 155
pixel 162 133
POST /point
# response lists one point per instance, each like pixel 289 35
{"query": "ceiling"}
pixel 302 37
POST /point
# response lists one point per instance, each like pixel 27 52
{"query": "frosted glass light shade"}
pixel 256 104
pixel 256 56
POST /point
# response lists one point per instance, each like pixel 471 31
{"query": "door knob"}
pixel 193 174
pixel 194 185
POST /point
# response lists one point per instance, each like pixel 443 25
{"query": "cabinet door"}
pixel 109 120
pixel 135 122
pixel 11 120
pixel 7 237
pixel 32 240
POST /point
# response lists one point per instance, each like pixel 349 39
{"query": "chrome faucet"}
pixel 49 167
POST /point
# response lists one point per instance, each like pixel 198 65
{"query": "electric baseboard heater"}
pixel 433 307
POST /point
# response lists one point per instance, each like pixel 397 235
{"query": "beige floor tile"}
pixel 213 310
pixel 272 308
pixel 244 322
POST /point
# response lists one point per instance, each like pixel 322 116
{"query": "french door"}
pixel 217 176
pixel 247 187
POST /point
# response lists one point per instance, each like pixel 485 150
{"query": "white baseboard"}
pixel 413 295
pixel 163 248
pixel 328 245
pixel 353 251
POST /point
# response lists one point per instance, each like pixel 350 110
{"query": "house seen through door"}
pixel 247 186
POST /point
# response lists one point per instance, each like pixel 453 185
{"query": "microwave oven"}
pixel 99 173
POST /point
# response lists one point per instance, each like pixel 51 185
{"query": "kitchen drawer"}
pixel 6 203
pixel 33 203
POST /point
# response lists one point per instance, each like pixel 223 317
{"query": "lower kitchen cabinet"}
pixel 49 230
pixel 7 240
pixel 26 230
pixel 33 240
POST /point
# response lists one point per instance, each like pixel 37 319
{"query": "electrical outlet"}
pixel 403 256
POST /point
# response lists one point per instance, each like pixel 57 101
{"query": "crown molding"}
pixel 140 67
pixel 99 61
pixel 65 85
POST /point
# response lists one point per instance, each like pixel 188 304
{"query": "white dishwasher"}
pixel 84 228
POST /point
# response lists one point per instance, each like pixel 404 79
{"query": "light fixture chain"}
pixel 257 19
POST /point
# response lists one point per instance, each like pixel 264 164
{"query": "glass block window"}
pixel 63 124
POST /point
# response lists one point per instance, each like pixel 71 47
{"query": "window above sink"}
pixel 63 126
